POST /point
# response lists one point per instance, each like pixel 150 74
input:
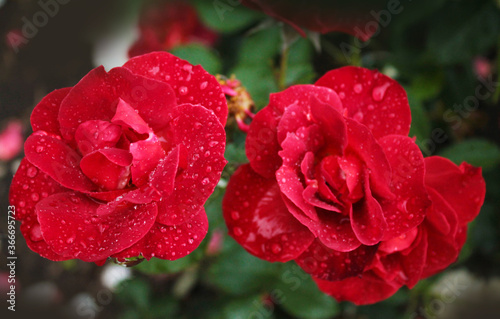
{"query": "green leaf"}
pixel 235 153
pixel 259 81
pixel 477 152
pixel 160 266
pixel 237 272
pixel 199 54
pixel 135 293
pixel 251 307
pixel 420 123
pixel 226 16
pixel 461 31
pixel 298 295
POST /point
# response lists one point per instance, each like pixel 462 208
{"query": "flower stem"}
pixel 283 68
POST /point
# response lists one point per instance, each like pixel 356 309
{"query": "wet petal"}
pixel 126 116
pixel 463 186
pixel 363 290
pixel 412 202
pixel 202 141
pixel 327 264
pixel 192 84
pixel 163 178
pixel 261 144
pixel 28 187
pixel 108 168
pixel 146 155
pixel 58 160
pixel 94 135
pixel 362 142
pixel 44 116
pixel 170 242
pixel 30 228
pixel 258 219
pixel 96 96
pixel 371 98
pixel 72 226
pixel 332 125
pixel 367 218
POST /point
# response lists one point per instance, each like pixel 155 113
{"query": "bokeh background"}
pixel 444 52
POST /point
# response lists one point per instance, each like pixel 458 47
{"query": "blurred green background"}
pixel 444 52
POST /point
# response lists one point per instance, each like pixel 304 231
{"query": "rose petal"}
pixel 261 144
pixel 44 116
pixel 258 219
pixel 362 142
pixel 367 218
pixel 55 158
pixel 332 125
pixel 146 155
pixel 170 242
pixel 151 98
pixel 327 264
pixel 415 259
pixel 193 84
pixel 126 116
pixel 163 178
pixel 30 228
pixel 93 135
pixel 412 202
pixel 202 139
pixel 467 197
pixel 71 225
pixel 371 98
pixel 363 290
pixel 108 168
pixel 291 186
pixel 399 243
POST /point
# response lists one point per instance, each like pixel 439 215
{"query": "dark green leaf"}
pixel 477 152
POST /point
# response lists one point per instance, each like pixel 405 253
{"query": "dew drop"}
pixel 190 240
pixel 203 85
pixel 31 172
pixel 205 181
pixel 235 215
pixel 276 248
pixel 35 197
pixel 70 240
pixel 358 88
pixel 36 233
pixel 39 149
pixel 342 95
pixel 238 231
pixel 379 92
pixel 183 90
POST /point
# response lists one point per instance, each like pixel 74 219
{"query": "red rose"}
pixel 121 164
pixel 427 249
pixel 332 176
pixel 168 24
pixel 358 18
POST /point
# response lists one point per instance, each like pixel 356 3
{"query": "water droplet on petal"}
pixel 39 149
pixel 379 92
pixel 35 197
pixel 31 172
pixel 358 88
pixel 203 85
pixel 235 215
pixel 238 231
pixel 183 90
pixel 205 181
pixel 276 248
pixel 36 233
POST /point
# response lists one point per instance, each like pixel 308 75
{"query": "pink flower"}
pixel 11 140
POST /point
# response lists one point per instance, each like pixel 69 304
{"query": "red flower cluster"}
pixel 335 183
pixel 168 24
pixel 324 16
pixel 121 164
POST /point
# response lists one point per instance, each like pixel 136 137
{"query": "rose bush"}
pixel 335 183
pixel 121 164
pixel 168 24
pixel 323 16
